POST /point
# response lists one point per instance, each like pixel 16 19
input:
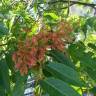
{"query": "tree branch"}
pixel 58 8
pixel 68 12
pixel 75 2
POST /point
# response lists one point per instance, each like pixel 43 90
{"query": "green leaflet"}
pixel 64 73
pixel 19 86
pixel 56 87
pixel 3 30
pixel 4 74
pixel 60 57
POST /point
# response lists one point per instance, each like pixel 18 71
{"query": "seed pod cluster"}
pixel 32 51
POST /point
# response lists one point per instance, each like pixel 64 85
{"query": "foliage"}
pixel 41 38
